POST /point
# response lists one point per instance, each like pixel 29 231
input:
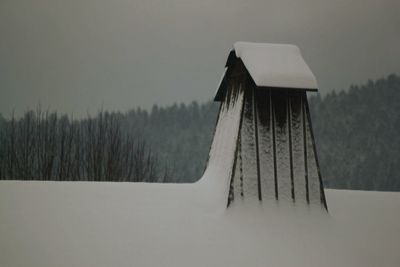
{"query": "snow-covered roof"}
pixel 273 65
pixel 45 224
pixel 276 65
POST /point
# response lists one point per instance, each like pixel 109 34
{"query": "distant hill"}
pixel 358 135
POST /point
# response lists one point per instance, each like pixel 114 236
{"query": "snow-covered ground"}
pixel 125 224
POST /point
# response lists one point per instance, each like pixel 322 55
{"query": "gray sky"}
pixel 77 55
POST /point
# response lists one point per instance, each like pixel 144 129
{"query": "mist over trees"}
pixel 357 133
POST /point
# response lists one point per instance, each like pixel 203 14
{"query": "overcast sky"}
pixel 76 55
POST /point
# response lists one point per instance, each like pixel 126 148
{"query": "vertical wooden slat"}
pixel 241 163
pixel 231 195
pixel 304 98
pixel 289 118
pixel 321 185
pixel 256 140
pixel 274 144
pixel 264 130
pixel 297 141
pixel 248 145
pixel 279 97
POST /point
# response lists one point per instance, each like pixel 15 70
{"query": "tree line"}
pixel 358 135
pixel 44 146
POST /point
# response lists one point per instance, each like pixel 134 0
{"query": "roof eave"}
pixel 219 95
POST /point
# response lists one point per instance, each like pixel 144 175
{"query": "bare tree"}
pixel 10 150
pixel 24 146
pixel 43 146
